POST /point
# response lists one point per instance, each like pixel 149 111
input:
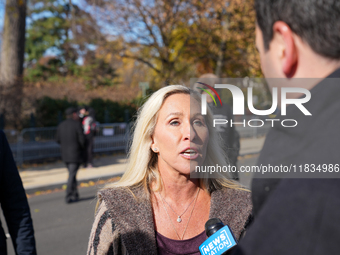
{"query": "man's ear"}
pixel 288 50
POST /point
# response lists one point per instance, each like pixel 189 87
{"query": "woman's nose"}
pixel 189 132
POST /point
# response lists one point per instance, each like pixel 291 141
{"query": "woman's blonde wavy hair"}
pixel 142 164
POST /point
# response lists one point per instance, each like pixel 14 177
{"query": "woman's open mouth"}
pixel 189 153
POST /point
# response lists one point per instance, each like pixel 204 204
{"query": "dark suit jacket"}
pixel 71 138
pixel 14 204
pixel 300 216
pixel 228 133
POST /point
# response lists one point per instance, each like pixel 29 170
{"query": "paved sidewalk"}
pixel 54 175
pixel 251 145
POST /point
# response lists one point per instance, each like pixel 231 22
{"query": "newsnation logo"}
pixel 218 243
pixel 238 105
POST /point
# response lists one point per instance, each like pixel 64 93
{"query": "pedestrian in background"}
pixel 70 136
pixel 82 113
pixel 89 128
pixel 14 205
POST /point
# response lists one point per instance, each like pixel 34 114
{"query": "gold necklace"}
pixel 173 226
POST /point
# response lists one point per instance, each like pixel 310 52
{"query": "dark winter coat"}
pixel 14 205
pixel 300 216
pixel 228 132
pixel 71 138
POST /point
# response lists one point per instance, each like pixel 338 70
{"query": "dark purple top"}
pixel 189 246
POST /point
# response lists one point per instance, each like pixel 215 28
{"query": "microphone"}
pixel 221 239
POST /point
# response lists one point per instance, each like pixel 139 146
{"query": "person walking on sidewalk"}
pixel 14 205
pixel 89 127
pixel 70 136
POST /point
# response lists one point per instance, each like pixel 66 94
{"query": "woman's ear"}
pixel 153 146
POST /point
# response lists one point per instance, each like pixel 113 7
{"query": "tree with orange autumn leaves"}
pixel 179 39
pixel 224 36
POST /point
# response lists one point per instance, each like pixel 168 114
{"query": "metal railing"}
pixel 40 143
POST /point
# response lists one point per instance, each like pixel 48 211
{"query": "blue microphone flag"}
pixel 218 243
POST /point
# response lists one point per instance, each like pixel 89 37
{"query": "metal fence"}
pixel 40 143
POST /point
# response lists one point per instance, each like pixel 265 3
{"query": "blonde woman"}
pixel 156 208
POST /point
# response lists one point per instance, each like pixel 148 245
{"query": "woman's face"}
pixel 181 134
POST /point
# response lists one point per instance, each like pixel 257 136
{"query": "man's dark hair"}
pixel 317 22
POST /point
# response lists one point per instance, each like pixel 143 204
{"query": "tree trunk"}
pixel 72 18
pixel 220 59
pixel 224 20
pixel 12 60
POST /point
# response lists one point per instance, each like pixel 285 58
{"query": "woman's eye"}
pixel 198 123
pixel 174 123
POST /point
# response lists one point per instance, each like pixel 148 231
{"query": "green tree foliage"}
pixel 49 110
pixel 115 111
pixel 97 71
pixel 61 27
pixel 50 30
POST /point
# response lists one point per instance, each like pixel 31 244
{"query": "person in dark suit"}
pixel 299 39
pixel 71 139
pixel 14 205
pixel 229 134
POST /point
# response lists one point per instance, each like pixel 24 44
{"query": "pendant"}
pixel 179 220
